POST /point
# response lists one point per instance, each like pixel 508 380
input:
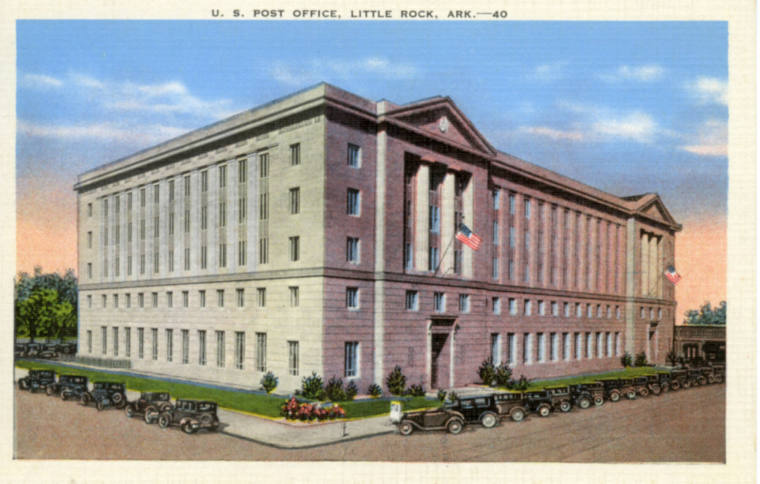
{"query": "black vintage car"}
pixel 149 405
pixel 614 388
pixel 474 409
pixel 543 402
pixel 679 379
pixel 70 386
pixel 695 377
pixel 37 380
pixel 511 404
pixel 105 394
pixel 719 373
pixel 191 416
pixel 19 350
pixel 436 419
pixel 584 394
pixel 37 350
pixel 641 385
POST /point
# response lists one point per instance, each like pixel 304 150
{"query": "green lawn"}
pixel 628 372
pixel 265 405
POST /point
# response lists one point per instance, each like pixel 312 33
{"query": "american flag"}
pixel 468 238
pixel 672 275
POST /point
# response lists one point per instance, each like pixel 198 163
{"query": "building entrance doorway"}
pixel 438 365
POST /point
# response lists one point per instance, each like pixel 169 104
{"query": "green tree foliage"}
pixel 45 304
pixel 706 314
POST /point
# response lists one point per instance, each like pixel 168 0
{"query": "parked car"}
pixel 66 348
pixel 543 402
pixel 19 350
pixel 36 380
pixel 653 384
pixel 71 386
pixel 149 405
pixel 511 404
pixel 37 350
pixel 614 388
pixel 435 419
pixel 679 379
pixel 584 394
pixel 191 416
pixel 719 372
pixel 695 377
pixel 105 394
pixel 476 409
pixel 641 385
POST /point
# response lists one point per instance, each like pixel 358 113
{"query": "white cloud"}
pixel 636 126
pixel 645 73
pixel 552 133
pixel 318 70
pixel 548 72
pixel 40 81
pixel 709 90
pixel 711 139
pixel 111 132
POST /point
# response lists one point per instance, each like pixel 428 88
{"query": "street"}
pixel 684 426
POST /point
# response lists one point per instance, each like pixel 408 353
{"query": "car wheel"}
pixel 129 411
pixel 614 396
pixel 116 398
pixel 23 385
pixel 150 416
pixel 405 427
pixel 84 399
pixel 187 427
pixel 631 394
pixel 454 426
pixel 164 420
pixel 517 415
pixel 206 420
pixel 488 420
pixel 544 410
pixel 166 407
pixel 686 384
pixel 644 392
pixel 598 401
pixel 565 405
pixel 99 405
pixel 675 386
pixel 656 390
pixel 49 391
pixel 584 403
pixel 711 379
pixel 702 380
pixel 64 395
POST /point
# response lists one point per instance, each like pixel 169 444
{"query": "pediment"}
pixel 654 209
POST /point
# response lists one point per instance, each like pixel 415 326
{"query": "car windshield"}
pixel 207 407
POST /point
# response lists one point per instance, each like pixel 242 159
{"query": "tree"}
pixel 53 319
pixel 706 314
pixel 37 313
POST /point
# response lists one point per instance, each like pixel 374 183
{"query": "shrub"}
pixel 336 412
pixel 396 381
pixel 626 359
pixel 351 390
pixel 334 389
pixel 502 375
pixel 290 409
pixel 269 382
pixel 312 387
pixel 672 358
pixel 374 390
pixel 416 391
pixel 441 395
pixel 452 395
pixel 487 372
pixel 641 359
pixel 521 384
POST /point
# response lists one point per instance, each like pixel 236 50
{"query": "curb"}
pixel 309 446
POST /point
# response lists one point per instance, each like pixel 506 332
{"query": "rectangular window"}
pixel 293 358
pixel 261 297
pixel 411 301
pixel 617 312
pixel 352 250
pixel 129 231
pixel 511 348
pixel 222 176
pixel 222 255
pixel 578 347
pixel 127 300
pixel 527 348
pixel 263 250
pixel 220 298
pixel 242 252
pixel 408 257
pixel 354 156
pixel 115 300
pixel 169 345
pixel 294 296
pixel 511 204
pixel 141 299
pixel 154 299
pixel 527 208
pixel 202 347
pixel 353 202
pixel 129 265
pixel 204 181
pixel 142 197
pixel 155 261
pixel 156 192
pixel 553 346
pixel 352 297
pixel 439 302
pixel 239 349
pixel 555 309
pixel 599 311
pixel 204 217
pixel 513 306
pixel 578 310
pixel 169 299
pixel 541 347
pixel 242 170
pixel 263 165
pixel 204 257
pixel 495 268
pixel 527 308
pixel 566 346
pixel 541 308
pixel 495 194
pixel 89 341
pixel 589 311
pixel 156 227
pixel 263 206
pixel 170 260
pixel 220 349
pixel 352 359
pixel 240 296
pixel 89 270
pixel 127 341
pixel 434 219
pixel 89 209
pixel 511 237
pixel 496 233
pixel 609 312
pixel 294 248
pixel 171 190
pixel 261 352
pixel 295 200
pixel 186 181
pixel 187 221
pixel 599 345
pixel 105 300
pixel 496 349
pixel 641 312
pixel 589 346
pixel 295 154
pixel 618 349
pixel 496 305
pixel 185 299
pixel 116 341
pixel 608 341
pixel 202 298
pixel 242 209
pixel 185 346
pixel 89 240
pixel 433 258
pixel 154 342
pixel 464 303
pixel 140 343
pixel 89 301
pixel 222 222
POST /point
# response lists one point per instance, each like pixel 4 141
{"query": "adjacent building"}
pixel 318 233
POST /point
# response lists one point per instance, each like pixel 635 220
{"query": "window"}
pixel 185 299
pixel 566 346
pixel 129 265
pixel 263 206
pixel 511 204
pixel 222 255
pixel 599 345
pixel 261 352
pixel 353 202
pixel 240 296
pixel 169 345
pixel 352 250
pixel 617 312
pixel 142 229
pixel 464 303
pixel 496 349
pixel 408 257
pixel 169 299
pixel 294 248
pixel 140 343
pixel 496 305
pixel 527 208
pixel 242 249
pixel 154 342
pixel 352 298
pixel 89 270
pixel 608 340
pixel 527 348
pixel 295 200
pixel 242 171
pixel 511 348
pixel 264 165
pixel 104 299
pixel 116 341
pixel 435 219
pixel 541 308
pixel 541 347
pixel 115 300
pixel 589 346
pixel 599 311
pixel 512 306
pixel 154 299
pixel 187 221
pixel 495 233
pixel 589 311
pixel 239 349
pixel 293 358
pixel 641 312
pixel 352 359
pixel 495 194
pixel 222 176
pixel 89 331
pixel 242 209
pixel 495 268
pixel 578 348
pixel 185 346
pixel 129 231
pixel 439 302
pixel 141 299
pixel 261 297
pixel 202 298
pixel 142 197
pixel 220 298
pixel 89 209
pixel 617 344
pixel 553 346
pixel 204 181
pixel 127 300
pixel 411 301
pixel 202 347
pixel 354 156
pixel 433 258
pixel 512 237
pixel 651 314
pixel 89 240
pixel 156 193
pixel 186 180
pixel 220 349
pixel 263 250
pixel 204 257
pixel 555 309
pixel 204 217
pixel 295 154
pixel 659 313
pixel 155 261
pixel 527 308
pixel 293 296
pixel 170 260
pixel 578 310
pixel 222 222
pixel 89 301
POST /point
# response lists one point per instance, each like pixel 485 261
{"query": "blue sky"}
pixel 628 107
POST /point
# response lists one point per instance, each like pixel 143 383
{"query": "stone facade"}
pixel 317 233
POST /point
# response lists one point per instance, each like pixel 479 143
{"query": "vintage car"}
pixel 105 394
pixel 614 388
pixel 679 379
pixel 191 416
pixel 719 373
pixel 36 380
pixel 653 384
pixel 149 405
pixel 66 348
pixel 695 377
pixel 70 386
pixel 19 350
pixel 511 404
pixel 37 350
pixel 584 394
pixel 476 409
pixel 435 419
pixel 543 402
pixel 641 384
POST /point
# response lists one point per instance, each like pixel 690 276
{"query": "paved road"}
pixel 682 426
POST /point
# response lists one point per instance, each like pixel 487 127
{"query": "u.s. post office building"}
pixel 318 233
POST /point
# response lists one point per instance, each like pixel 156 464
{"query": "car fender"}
pixel 185 420
pixel 459 417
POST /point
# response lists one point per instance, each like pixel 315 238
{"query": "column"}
pixel 630 261
pixel 644 264
pixel 447 222
pixel 379 285
pixel 572 270
pixel 195 223
pixel 533 248
pixel 547 243
pixel 421 219
pixel 518 221
pixel 602 244
pixel 593 263
pixel 212 232
pixel 581 241
pixel 469 217
pixel 252 221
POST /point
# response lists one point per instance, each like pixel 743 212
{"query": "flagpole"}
pixel 438 265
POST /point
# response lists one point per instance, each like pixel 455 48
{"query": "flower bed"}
pixel 293 410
